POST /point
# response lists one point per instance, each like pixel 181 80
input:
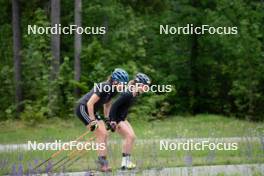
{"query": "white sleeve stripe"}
pixel 82 110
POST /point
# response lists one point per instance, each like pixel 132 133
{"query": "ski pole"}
pixel 58 152
pixel 70 156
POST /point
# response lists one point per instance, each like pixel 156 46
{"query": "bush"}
pixel 33 114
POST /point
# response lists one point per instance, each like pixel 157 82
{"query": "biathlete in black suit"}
pixel 89 104
pixel 118 116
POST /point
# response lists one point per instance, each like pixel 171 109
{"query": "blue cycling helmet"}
pixel 120 75
pixel 142 78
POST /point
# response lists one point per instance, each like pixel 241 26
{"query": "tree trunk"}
pixel 194 101
pixel 17 54
pixel 77 44
pixel 55 39
pixel 105 24
pixel 55 61
pixel 194 77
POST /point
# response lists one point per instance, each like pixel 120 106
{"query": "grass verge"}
pixel 172 127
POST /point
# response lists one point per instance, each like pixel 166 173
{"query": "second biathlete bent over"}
pixel 118 115
pixel 89 104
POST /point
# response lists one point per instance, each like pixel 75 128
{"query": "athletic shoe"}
pixel 129 165
pixel 105 168
pixel 103 164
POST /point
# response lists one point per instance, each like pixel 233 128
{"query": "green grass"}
pixel 147 155
pixel 178 126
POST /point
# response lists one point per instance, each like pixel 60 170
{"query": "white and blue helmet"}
pixel 120 75
pixel 142 78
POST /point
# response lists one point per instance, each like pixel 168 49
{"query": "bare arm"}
pixel 107 107
pixel 90 105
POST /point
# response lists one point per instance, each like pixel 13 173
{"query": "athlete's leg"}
pixel 100 133
pixel 131 129
pixel 127 132
pixel 101 137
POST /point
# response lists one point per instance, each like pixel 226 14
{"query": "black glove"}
pixel 110 125
pixel 107 124
pixel 113 126
pixel 93 125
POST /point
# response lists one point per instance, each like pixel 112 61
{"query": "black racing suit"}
pixel 105 91
pixel 119 108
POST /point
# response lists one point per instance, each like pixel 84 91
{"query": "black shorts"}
pixel 82 112
pixel 121 117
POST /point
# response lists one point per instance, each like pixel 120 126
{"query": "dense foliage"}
pixel 222 74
